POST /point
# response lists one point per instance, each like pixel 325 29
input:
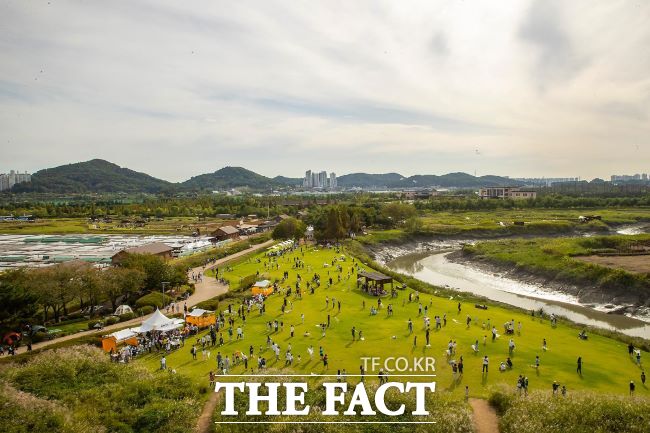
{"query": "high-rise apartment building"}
pixel 8 180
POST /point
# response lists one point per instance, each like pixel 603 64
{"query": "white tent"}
pixel 122 309
pixel 198 312
pixel 157 322
pixel 124 334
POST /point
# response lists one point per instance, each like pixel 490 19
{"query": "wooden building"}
pixel 155 248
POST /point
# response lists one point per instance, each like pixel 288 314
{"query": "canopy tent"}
pixel 127 336
pixel 201 318
pixel 262 288
pixel 157 322
pixel 175 324
pixel 122 309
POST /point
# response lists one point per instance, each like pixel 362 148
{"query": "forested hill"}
pixel 95 175
pixel 395 180
pixel 229 177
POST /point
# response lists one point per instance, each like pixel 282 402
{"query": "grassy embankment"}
pixel 78 389
pixel 499 223
pixel 555 259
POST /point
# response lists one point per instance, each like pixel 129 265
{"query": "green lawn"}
pixel 607 367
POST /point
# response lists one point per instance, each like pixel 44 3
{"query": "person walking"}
pixel 579 368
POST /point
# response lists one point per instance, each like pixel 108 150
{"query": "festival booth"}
pixel 262 288
pixel 125 336
pixel 200 318
pixel 159 322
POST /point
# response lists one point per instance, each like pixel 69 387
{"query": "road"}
pixel 207 289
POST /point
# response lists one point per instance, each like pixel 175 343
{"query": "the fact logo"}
pixel 359 403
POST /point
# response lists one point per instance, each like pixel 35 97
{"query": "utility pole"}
pixel 164 283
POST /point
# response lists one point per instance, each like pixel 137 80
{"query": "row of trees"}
pixel 53 291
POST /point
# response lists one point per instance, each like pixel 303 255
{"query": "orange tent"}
pixel 201 318
pixel 125 336
pixel 262 288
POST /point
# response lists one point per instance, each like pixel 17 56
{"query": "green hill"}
pixel 95 175
pixel 229 177
pixel 365 180
pixel 395 180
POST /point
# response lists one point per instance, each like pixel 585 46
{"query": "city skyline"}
pixel 519 89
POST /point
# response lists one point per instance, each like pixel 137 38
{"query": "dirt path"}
pixel 208 288
pixel 484 417
pixel 205 420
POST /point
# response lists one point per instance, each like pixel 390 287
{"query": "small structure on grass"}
pixel 374 282
pixel 263 287
pixel 125 336
pixel 200 318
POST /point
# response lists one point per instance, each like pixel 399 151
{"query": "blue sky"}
pixel 175 89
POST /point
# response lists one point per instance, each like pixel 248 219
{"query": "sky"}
pixel 175 89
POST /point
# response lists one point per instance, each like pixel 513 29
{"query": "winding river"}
pixel 428 262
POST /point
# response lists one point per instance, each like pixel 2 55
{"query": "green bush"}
pixel 147 309
pixel 210 304
pixel 92 323
pixel 126 316
pixel 154 299
pixel 111 320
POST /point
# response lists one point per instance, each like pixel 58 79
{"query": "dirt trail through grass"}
pixel 485 418
pixel 205 420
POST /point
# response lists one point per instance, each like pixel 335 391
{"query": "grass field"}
pixel 607 367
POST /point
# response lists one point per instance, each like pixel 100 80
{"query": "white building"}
pixel 7 181
pixel 504 192
pixel 333 183
pixel 319 180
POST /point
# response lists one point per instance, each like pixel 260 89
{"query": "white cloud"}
pixel 177 89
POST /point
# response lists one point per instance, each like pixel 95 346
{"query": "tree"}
pixel 396 212
pixel 16 300
pixel 155 270
pixel 120 282
pixel 333 229
pixel 289 228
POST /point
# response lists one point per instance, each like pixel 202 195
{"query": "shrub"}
pixel 147 309
pixel 111 320
pixel 210 304
pixel 154 299
pixel 92 323
pixel 126 316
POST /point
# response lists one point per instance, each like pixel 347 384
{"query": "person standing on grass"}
pixel 485 364
pixel 163 363
pixel 579 368
pixel 643 378
pixel 632 387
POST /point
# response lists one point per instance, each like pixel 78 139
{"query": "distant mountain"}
pixel 394 180
pixel 365 180
pixel 229 177
pixel 102 176
pixel 95 175
pixel 287 181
